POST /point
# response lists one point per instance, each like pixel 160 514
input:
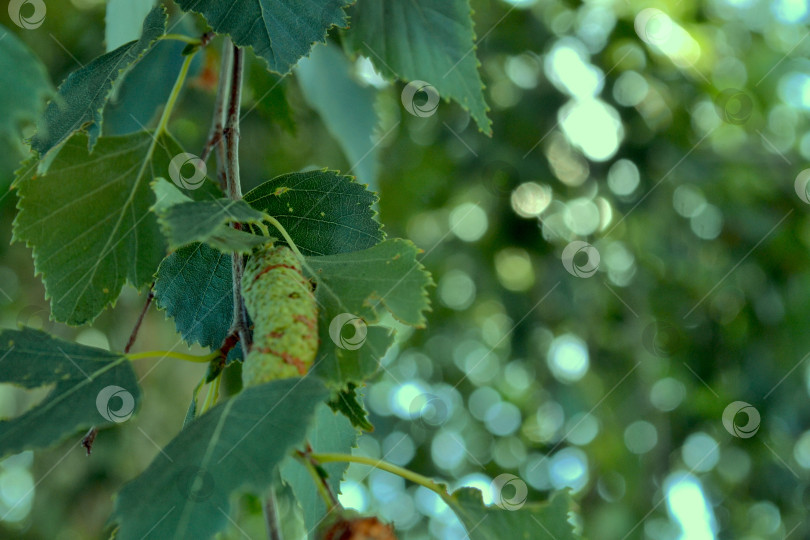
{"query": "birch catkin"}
pixel 282 305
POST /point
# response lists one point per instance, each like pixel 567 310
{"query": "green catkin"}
pixel 282 305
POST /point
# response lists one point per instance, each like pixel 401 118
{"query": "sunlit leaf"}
pixel 346 107
pixel 423 40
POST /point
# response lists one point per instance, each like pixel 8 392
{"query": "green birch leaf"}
pixel 329 432
pixel 185 221
pixel 345 106
pixel 82 96
pixel 280 31
pixel 91 387
pixel 423 40
pixel 352 291
pixel 185 492
pixel 24 85
pixel 143 91
pixel 386 275
pixel 324 212
pixel 340 366
pixel 526 522
pixel 195 287
pixel 88 221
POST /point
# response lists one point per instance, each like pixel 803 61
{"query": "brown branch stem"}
pixel 230 137
pixel 134 335
pixel 271 516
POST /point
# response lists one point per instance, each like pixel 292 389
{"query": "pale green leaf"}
pixel 195 287
pixel 386 275
pixel 185 221
pixel 423 40
pixel 339 366
pixel 280 31
pixel 24 85
pixel 361 285
pixel 31 358
pixel 122 21
pixel 324 212
pixel 345 106
pixel 88 221
pixel 185 492
pixel 82 96
pixel 527 522
pixel 329 432
pixel 143 90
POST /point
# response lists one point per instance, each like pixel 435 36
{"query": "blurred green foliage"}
pixel 669 140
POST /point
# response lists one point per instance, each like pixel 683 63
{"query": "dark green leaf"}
pixel 195 287
pixel 280 31
pixel 423 40
pixel 85 92
pixel 91 387
pixel 234 446
pixel 324 212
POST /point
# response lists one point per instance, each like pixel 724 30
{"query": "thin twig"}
pixel 234 189
pixel 87 440
pixel 271 517
pixel 134 335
